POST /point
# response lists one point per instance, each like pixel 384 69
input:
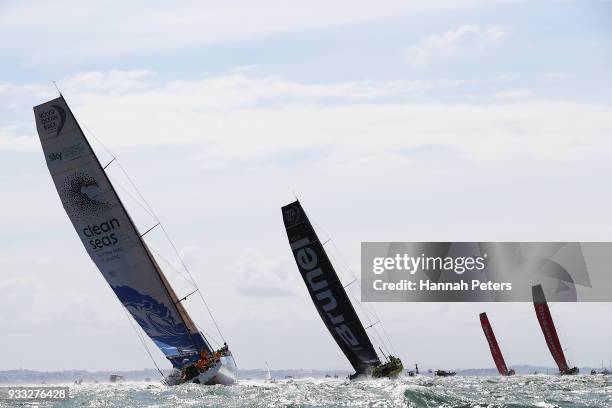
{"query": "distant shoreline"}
pixel 23 376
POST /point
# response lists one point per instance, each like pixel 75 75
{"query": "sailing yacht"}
pixel 549 331
pixel 498 357
pixel 268 374
pixel 331 300
pixel 118 249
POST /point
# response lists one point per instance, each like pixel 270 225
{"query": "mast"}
pixel 498 357
pixel 326 290
pixel 110 236
pixel 548 328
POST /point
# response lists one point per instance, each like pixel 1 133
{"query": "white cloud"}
pixel 449 44
pixel 74 29
pixel 217 157
pixel 14 138
pixel 557 75
pixel 240 117
pixel 263 276
pixel 514 94
pixel 115 81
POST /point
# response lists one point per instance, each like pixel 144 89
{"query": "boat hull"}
pixel 571 371
pixel 442 373
pixel 223 373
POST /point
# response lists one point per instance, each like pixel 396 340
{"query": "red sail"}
pixel 495 351
pixel 548 328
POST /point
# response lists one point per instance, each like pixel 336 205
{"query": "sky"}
pixel 457 120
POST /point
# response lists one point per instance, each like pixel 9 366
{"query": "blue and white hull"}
pixel 224 372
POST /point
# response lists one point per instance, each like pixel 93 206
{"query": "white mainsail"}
pixel 111 238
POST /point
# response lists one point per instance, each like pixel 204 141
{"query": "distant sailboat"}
pixel 268 374
pixel 115 245
pixel 498 357
pixel 115 378
pixel 330 298
pixel 550 332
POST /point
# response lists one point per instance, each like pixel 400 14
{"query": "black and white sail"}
pixel 327 292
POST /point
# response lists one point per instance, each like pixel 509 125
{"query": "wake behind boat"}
pixel 115 245
pixel 331 300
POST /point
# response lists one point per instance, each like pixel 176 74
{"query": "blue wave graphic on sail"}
pixel 169 333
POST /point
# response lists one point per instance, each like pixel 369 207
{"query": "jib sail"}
pixel 548 327
pixel 111 238
pixel 326 290
pixel 498 358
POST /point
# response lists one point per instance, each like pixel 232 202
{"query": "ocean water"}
pixel 519 391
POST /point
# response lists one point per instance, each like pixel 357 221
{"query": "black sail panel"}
pixel 326 290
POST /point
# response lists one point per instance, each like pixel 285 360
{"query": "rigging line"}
pixel 185 297
pixel 382 326
pixel 108 164
pixel 372 325
pixel 208 335
pixel 142 340
pixel 174 268
pixel 147 208
pixel 149 230
pixel 350 283
pixel 194 283
pixel 184 265
pixel 373 310
pixel 154 216
pixel 57 87
pixel 115 182
pixel 97 140
pixel 365 310
pixel 152 213
pixel 568 350
pixel 384 354
pixel 378 339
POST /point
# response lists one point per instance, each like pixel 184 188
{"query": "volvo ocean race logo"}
pixel 52 120
pixel 292 214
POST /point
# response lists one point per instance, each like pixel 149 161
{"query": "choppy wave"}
pixel 421 392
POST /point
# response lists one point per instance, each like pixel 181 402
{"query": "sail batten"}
pixel 548 328
pixel 326 290
pixel 496 353
pixel 110 236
